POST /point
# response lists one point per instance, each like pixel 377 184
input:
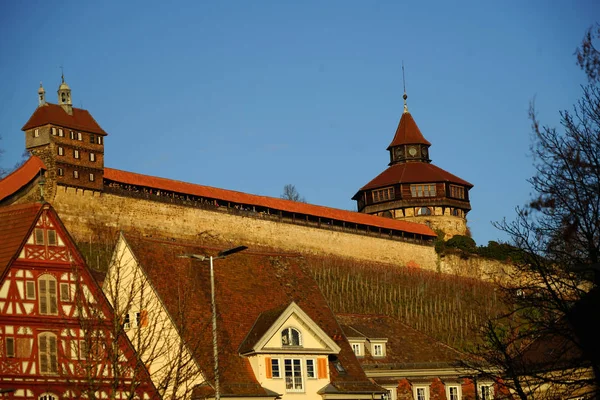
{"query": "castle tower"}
pixel 412 188
pixel 68 140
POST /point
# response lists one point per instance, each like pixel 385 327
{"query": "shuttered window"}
pixel 47 295
pixel 47 353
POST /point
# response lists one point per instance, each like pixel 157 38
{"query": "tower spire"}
pixel 41 95
pixel 404 85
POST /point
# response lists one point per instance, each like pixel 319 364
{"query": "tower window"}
pixel 92 157
pixel 92 139
pixel 79 137
pixel 72 135
pixel 76 174
pixel 61 151
pixel 53 131
pixel 61 133
pixel 76 153
pixel 383 194
pixel 422 190
pixel 424 211
pixel 60 171
pixel 458 192
pixel 99 139
pixel 92 178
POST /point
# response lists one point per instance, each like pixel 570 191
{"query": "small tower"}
pixel 414 189
pixel 41 96
pixel 68 140
pixel 64 96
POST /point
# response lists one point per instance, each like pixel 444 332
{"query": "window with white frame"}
pixel 453 393
pixel 79 137
pixel 72 135
pixel 61 151
pixel 275 368
pixel 76 174
pixel 311 369
pixel 293 375
pixel 486 392
pixel 61 133
pixel 357 348
pixel 78 349
pixel 47 295
pixel 76 153
pixel 99 138
pixel 291 337
pixel 53 131
pixel 421 393
pixel 47 353
pixel 378 350
pixel 92 177
pixel 60 172
pixel 92 157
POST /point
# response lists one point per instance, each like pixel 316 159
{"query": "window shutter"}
pixel 322 368
pixel 43 354
pixel 23 348
pixel 43 298
pixel 52 291
pixel 10 347
pixel 53 355
pixel 144 318
pixel 269 367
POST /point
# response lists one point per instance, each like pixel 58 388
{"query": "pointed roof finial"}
pixel 404 85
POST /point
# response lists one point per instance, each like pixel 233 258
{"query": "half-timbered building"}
pixel 56 326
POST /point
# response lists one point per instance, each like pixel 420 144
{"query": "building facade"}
pixel 56 334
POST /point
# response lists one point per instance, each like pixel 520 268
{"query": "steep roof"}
pixel 21 176
pixel 131 178
pixel 413 172
pixel 15 223
pixel 247 284
pixel 54 114
pixel 408 132
pixel 406 347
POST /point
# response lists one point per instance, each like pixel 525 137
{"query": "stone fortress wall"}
pixel 83 211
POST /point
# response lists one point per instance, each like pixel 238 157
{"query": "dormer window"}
pixel 378 350
pixel 357 349
pixel 291 337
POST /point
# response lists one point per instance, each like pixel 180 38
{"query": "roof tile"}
pixel 54 114
pixel 15 223
pixel 21 176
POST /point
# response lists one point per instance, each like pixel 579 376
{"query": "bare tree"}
pixel 291 193
pixel 554 287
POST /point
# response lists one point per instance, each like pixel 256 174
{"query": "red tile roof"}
pixel 131 178
pixel 406 347
pixel 21 177
pixel 413 172
pixel 54 114
pixel 408 132
pixel 15 223
pixel 247 284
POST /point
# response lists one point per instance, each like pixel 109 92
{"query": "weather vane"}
pixel 404 85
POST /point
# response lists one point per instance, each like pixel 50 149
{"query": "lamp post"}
pixel 221 254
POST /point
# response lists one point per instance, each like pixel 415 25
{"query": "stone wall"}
pixel 81 210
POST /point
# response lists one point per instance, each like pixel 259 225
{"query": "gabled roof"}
pixel 54 114
pixel 21 176
pixel 15 224
pixel 408 132
pixel 406 347
pixel 270 322
pixel 247 284
pixel 413 172
pixel 131 178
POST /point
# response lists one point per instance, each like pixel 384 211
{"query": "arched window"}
pixel 47 295
pixel 47 350
pixel 424 211
pixel 48 396
pixel 456 212
pixel 291 337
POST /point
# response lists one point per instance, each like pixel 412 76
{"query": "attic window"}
pixel 383 194
pixel 378 350
pixel 339 367
pixel 458 192
pixel 39 236
pixel 51 237
pixel 291 337
pixel 422 190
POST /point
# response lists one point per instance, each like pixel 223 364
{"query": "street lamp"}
pixel 221 254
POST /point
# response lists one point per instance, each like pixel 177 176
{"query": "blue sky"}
pixel 250 96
